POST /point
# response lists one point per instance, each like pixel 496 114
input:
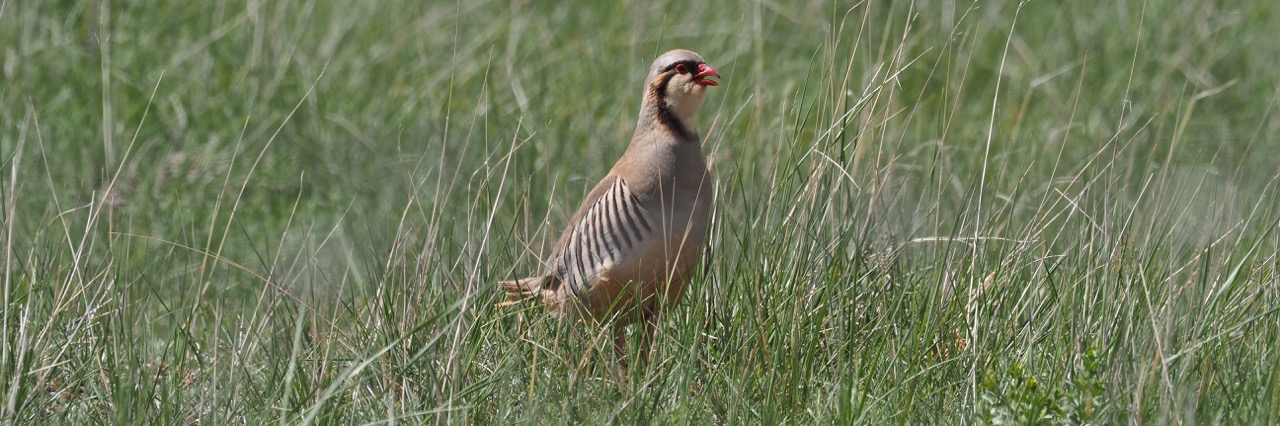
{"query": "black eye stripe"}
pixel 689 66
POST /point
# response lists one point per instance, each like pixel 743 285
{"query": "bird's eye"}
pixel 680 68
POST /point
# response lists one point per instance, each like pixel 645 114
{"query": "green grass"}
pixel 927 212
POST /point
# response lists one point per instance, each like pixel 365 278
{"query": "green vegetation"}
pixel 928 212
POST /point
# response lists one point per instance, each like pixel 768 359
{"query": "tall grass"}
pixel 927 212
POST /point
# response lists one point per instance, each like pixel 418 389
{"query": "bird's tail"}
pixel 521 290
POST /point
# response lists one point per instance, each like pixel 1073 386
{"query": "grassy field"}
pixel 242 212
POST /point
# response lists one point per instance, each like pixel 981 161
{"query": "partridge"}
pixel 631 248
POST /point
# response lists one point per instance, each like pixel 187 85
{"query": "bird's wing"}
pixel 609 227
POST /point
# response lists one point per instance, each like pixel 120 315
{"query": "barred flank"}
pixel 614 225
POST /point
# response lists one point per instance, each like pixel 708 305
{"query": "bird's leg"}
pixel 648 335
pixel 620 346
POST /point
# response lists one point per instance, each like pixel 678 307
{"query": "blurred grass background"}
pixel 928 212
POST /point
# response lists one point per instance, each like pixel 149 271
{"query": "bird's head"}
pixel 678 82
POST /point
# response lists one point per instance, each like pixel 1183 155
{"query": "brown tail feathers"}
pixel 520 290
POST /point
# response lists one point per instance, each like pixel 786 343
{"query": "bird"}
pixel 629 251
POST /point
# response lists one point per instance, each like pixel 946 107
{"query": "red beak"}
pixel 705 71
